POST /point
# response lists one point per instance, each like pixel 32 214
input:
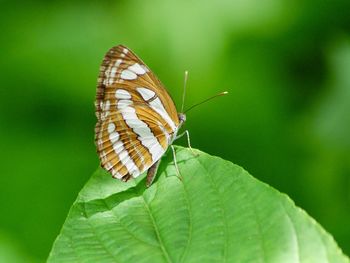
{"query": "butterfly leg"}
pixel 188 141
pixel 151 173
pixel 175 162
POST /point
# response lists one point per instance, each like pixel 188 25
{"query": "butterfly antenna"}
pixel 210 98
pixel 184 92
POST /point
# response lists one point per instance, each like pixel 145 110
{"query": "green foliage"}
pixel 285 63
pixel 217 212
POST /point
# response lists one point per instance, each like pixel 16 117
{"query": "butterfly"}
pixel 136 118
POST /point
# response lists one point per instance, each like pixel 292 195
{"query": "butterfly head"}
pixel 182 118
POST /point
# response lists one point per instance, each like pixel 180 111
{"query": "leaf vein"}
pixel 221 208
pixel 182 258
pixel 164 250
pixel 117 219
pixel 98 237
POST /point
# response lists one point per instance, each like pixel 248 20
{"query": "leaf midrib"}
pixel 161 244
pixel 221 208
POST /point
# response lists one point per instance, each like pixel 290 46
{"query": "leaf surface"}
pixel 217 212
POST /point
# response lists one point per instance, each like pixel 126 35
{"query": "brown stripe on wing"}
pixel 107 78
pixel 143 111
pixel 136 151
pixel 152 117
pixel 107 155
pixel 131 142
pixel 148 117
pixel 107 84
pixel 150 81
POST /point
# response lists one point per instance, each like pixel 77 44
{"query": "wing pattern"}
pixel 136 117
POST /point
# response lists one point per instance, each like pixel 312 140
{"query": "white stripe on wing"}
pixel 156 105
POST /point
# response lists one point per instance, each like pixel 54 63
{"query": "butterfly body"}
pixel 136 118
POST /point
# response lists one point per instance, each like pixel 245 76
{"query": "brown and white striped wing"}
pixel 136 117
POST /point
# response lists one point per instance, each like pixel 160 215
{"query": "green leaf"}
pixel 216 213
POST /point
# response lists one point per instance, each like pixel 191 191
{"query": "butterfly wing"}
pixel 136 117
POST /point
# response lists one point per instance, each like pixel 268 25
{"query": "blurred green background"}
pixel 286 120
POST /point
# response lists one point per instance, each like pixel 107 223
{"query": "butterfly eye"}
pixel 182 117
